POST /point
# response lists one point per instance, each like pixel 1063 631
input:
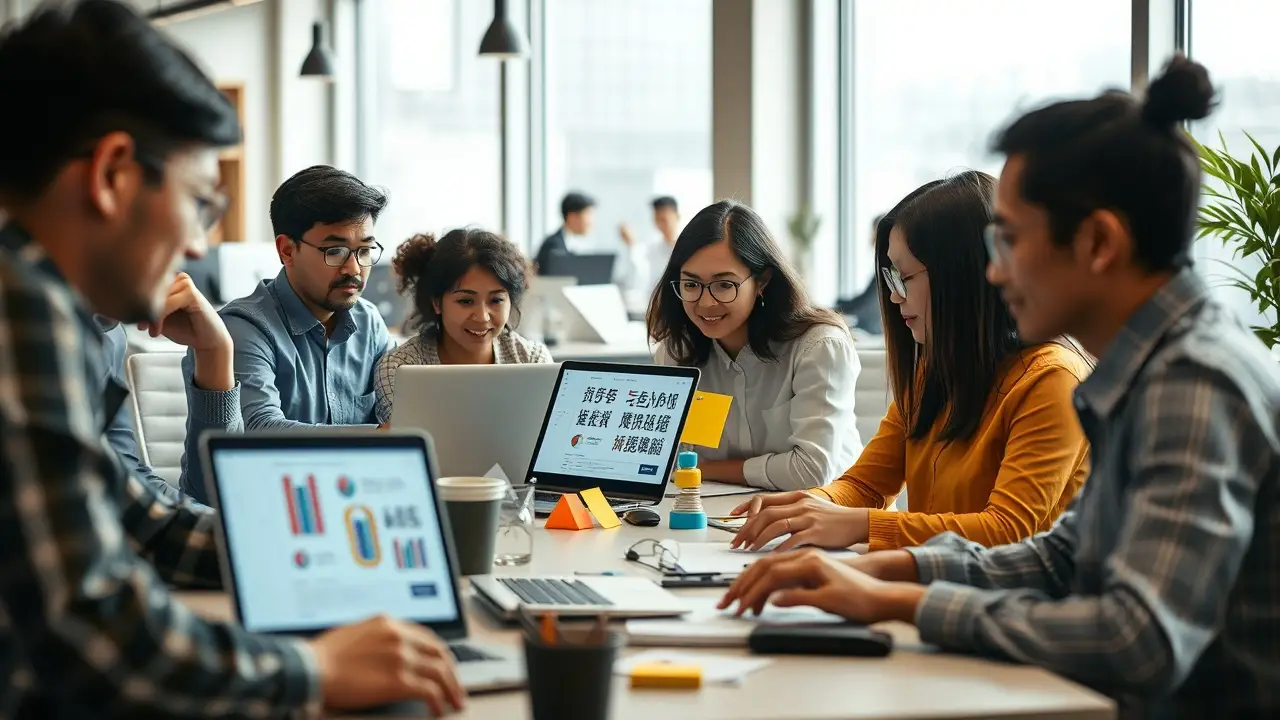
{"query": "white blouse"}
pixel 792 419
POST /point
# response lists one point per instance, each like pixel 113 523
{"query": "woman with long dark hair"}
pixel 466 290
pixel 981 430
pixel 731 305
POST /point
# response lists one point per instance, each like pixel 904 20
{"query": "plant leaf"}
pixel 1265 158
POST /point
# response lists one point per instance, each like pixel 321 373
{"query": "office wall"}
pixel 289 120
pixel 238 45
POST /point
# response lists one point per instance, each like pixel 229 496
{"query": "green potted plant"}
pixel 1242 209
pixel 803 226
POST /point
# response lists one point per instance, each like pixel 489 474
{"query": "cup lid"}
pixel 472 489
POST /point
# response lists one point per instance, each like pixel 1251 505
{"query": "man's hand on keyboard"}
pixel 382 660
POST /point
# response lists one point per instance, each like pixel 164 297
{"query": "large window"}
pixel 628 110
pixel 430 124
pixel 927 96
pixel 1234 40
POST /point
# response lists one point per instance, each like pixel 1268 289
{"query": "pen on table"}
pixel 597 632
pixel 549 629
pixel 604 573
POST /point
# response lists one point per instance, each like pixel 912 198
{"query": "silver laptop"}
pixel 325 528
pixel 478 415
pixel 592 596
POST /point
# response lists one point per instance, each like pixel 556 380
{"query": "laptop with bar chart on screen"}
pixel 320 529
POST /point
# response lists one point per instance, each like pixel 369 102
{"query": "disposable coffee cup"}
pixel 472 504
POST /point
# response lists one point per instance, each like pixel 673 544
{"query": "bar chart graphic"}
pixel 362 533
pixel 305 517
pixel 410 554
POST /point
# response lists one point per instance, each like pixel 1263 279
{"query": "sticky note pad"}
pixel 666 675
pixel 569 514
pixel 600 508
pixel 707 416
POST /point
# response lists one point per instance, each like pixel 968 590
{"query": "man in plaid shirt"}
pixel 1159 586
pixel 108 176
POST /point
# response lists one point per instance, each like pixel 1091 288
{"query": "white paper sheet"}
pixel 496 472
pixel 715 668
pixel 705 626
pixel 718 557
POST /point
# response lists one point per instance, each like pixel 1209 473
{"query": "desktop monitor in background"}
pixel 206 273
pixel 382 292
pixel 593 269
pixel 243 265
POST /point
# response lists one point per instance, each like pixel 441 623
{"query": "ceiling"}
pixel 170 11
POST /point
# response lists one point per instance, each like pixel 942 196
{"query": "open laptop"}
pixel 477 415
pixel 587 268
pixel 612 426
pixel 310 524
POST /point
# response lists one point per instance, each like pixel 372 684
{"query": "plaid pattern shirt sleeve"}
pixel 1042 562
pixel 1195 466
pixel 91 629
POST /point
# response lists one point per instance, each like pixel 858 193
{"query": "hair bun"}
pixel 1183 91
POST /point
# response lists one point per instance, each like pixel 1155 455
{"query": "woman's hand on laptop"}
pixel 382 660
pixel 814 578
pixel 808 519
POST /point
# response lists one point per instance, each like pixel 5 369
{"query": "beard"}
pixel 344 302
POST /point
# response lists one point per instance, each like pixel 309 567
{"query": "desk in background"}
pixel 914 682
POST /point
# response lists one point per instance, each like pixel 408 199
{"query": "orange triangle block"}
pixel 569 514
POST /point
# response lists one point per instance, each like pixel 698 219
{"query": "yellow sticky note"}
pixel 707 416
pixel 600 508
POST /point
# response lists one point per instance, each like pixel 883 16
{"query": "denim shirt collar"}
pixel 1124 358
pixel 300 319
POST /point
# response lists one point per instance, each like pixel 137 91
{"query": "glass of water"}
pixel 515 527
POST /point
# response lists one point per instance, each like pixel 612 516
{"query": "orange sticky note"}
pixel 600 508
pixel 707 415
pixel 569 514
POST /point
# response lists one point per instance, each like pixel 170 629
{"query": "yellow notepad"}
pixel 666 675
pixel 707 416
pixel 600 508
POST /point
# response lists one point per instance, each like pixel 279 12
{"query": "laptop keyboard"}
pixel 553 592
pixel 466 653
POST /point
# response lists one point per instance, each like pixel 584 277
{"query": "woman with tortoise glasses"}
pixel 981 431
pixel 731 305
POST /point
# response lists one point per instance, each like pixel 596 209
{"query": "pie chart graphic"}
pixel 301 560
pixel 346 486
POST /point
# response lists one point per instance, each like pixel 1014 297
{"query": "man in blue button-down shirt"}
pixel 306 343
pixel 1159 586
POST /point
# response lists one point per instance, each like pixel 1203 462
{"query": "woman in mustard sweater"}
pixel 981 431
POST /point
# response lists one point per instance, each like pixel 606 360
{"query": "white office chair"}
pixel 872 396
pixel 159 403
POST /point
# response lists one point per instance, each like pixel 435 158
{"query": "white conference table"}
pixel 914 682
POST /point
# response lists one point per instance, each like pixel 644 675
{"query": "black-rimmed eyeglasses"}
pixel 722 291
pixel 665 558
pixel 337 255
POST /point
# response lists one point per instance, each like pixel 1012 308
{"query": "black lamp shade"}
pixel 319 62
pixel 502 40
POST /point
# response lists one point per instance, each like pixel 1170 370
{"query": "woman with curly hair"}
pixel 465 287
